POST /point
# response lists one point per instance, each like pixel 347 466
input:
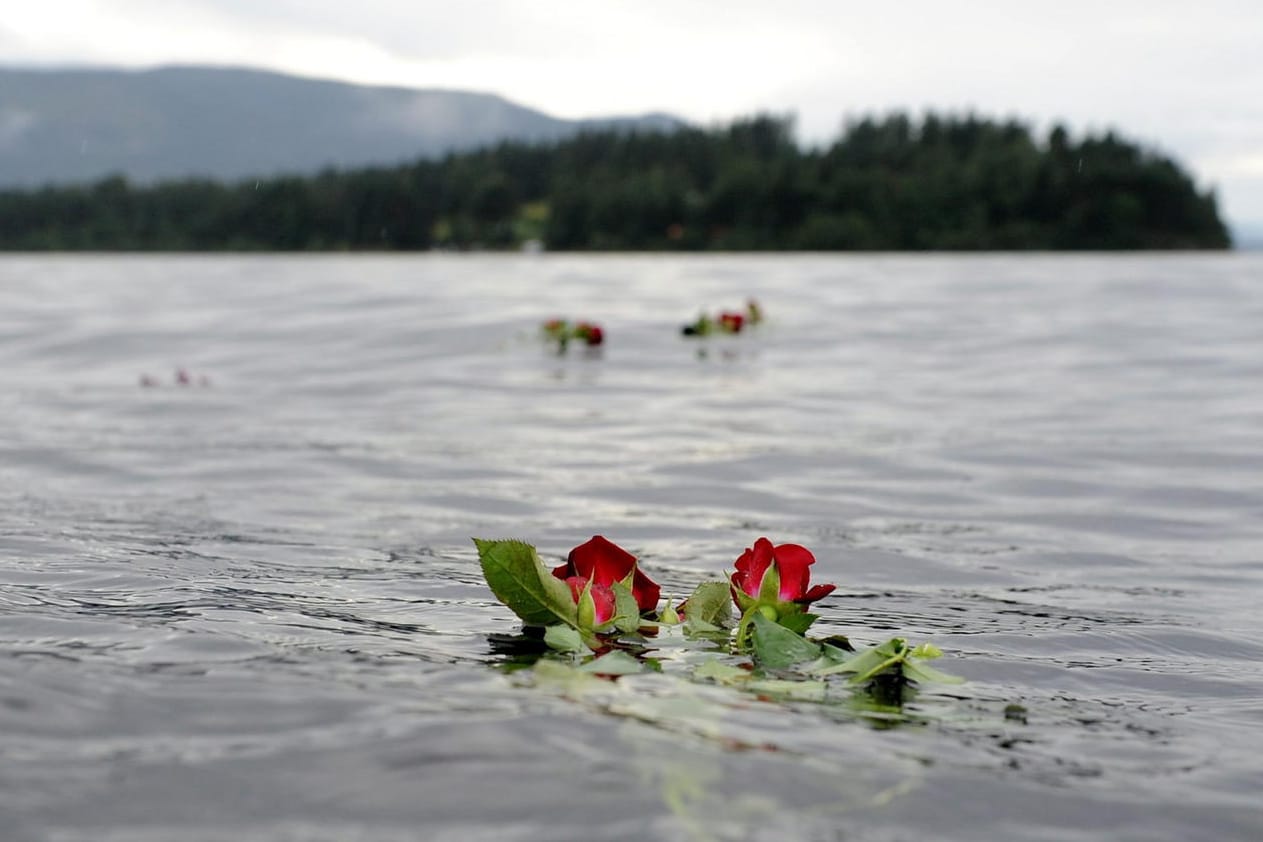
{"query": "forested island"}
pixel 889 183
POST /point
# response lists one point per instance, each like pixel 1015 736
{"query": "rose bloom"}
pixel 603 603
pixel 791 562
pixel 605 563
pixel 732 322
pixel 590 333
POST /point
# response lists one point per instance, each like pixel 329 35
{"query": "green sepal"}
pixel 585 609
pixel 562 638
pixel 770 587
pixel 776 647
pixel 711 604
pixel 518 579
pixel 744 601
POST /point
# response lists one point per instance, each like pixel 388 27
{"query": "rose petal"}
pixel 815 593
pixel 601 560
pixel 752 565
pixel 605 563
pixel 792 561
pixel 646 591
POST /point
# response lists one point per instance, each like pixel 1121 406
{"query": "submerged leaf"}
pixel 564 638
pixel 717 671
pixel 614 662
pixel 791 690
pixel 519 580
pixel 917 671
pixel 892 657
pixel 869 662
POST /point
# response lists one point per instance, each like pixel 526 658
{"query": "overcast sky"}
pixel 1185 78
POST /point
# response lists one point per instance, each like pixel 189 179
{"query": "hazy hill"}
pixel 227 123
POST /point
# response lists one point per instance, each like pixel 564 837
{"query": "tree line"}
pixel 886 183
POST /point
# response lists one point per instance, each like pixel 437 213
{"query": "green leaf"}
pixel 564 639
pixel 838 643
pixel 797 621
pixel 789 689
pixel 626 609
pixel 776 647
pixel 870 662
pixel 926 650
pixel 836 654
pixel 711 603
pixel 701 628
pixel 614 662
pixel 923 673
pixel 519 580
pixel 721 673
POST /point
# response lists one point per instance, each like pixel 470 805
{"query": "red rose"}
pixel 732 322
pixel 791 562
pixel 590 333
pixel 606 563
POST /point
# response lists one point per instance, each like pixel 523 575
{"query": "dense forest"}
pixel 891 183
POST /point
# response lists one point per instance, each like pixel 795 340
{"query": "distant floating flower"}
pixel 589 333
pixel 182 377
pixel 727 321
pixel 562 332
pixel 754 313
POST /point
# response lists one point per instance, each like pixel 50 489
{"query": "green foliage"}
pixel 893 657
pixel 626 610
pixel 711 605
pixel 891 183
pixel 519 580
pixel 776 647
pixel 615 662
pixel 565 639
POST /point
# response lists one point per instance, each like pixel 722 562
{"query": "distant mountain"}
pixel 74 125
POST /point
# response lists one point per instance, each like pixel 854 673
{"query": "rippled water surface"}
pixel 251 610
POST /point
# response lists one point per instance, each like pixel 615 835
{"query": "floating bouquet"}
pixel 726 321
pixel 600 606
pixel 563 332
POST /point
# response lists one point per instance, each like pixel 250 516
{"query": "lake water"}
pixel 251 609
